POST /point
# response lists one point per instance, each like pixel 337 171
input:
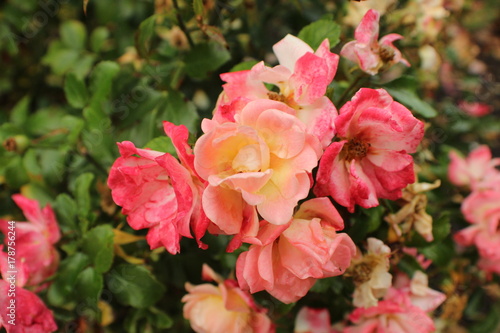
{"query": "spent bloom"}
pixel 34 241
pixel 223 308
pixel 158 192
pixel 259 163
pixel 372 159
pixel 367 51
pixel 301 78
pixel 286 260
pixel 370 273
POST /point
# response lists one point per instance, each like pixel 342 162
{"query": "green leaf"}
pixel 66 210
pixel 20 112
pixel 98 38
pixel 198 7
pixel 440 253
pixel 73 34
pixel 83 198
pixel 161 143
pixel 145 35
pixel 440 230
pixel 61 290
pixel 98 245
pixel 368 221
pixel 245 65
pixel 204 58
pixel 314 33
pixel 412 101
pixel 101 80
pixel 135 286
pixel 89 285
pixel 76 91
pixel 159 319
pixel 15 174
pixel 179 111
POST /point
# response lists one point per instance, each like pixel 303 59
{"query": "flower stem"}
pixel 180 21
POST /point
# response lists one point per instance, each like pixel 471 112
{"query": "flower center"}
pixel 386 53
pixel 247 160
pixel 354 149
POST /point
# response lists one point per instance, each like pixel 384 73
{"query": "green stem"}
pixel 180 21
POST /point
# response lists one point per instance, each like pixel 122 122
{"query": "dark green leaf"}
pixel 61 290
pixel 83 197
pixel 88 286
pixel 245 65
pixel 198 7
pixel 204 58
pixel 100 81
pixel 98 38
pixel 98 245
pixel 76 91
pixel 314 33
pixel 145 35
pixel 179 111
pixel 159 319
pixel 412 101
pixel 73 35
pixel 66 209
pixel 161 143
pixel 134 285
pixel 19 113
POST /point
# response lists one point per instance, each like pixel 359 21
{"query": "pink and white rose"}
pixel 286 260
pixel 311 320
pixel 158 192
pixel 367 51
pixel 371 160
pixel 35 241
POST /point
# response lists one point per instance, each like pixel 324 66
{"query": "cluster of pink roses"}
pixel 248 173
pixel 481 208
pixel 30 260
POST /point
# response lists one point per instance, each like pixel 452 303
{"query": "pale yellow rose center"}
pixel 248 159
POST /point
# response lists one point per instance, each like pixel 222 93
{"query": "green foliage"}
pixel 314 33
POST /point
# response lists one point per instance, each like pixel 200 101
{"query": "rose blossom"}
pixel 367 51
pixel 223 308
pixel 31 313
pixel 286 260
pixel 475 109
pixel 35 241
pixel 311 320
pixel 260 163
pixel 158 192
pixel 482 210
pixel 477 170
pixel 302 78
pixel 372 159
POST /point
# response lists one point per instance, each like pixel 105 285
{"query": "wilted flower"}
pixel 367 51
pixel 223 308
pixel 372 159
pixel 370 273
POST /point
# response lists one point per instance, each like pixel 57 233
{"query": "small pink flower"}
pixel 476 170
pixel 302 78
pixel 372 159
pixel 395 314
pixel 419 292
pixel 259 163
pixel 475 109
pixel 223 308
pixel 286 260
pixel 34 241
pixel 30 315
pixel 482 210
pixel 367 51
pixel 311 320
pixel 159 193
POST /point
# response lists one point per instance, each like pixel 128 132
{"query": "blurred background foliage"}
pixel 78 76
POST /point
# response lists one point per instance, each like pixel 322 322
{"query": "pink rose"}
pixel 223 308
pixel 372 159
pixel 159 193
pixel 311 320
pixel 367 51
pixel 259 163
pixel 482 210
pixel 31 314
pixel 395 314
pixel 419 292
pixel 302 78
pixel 34 241
pixel 475 109
pixel 286 260
pixel 477 170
